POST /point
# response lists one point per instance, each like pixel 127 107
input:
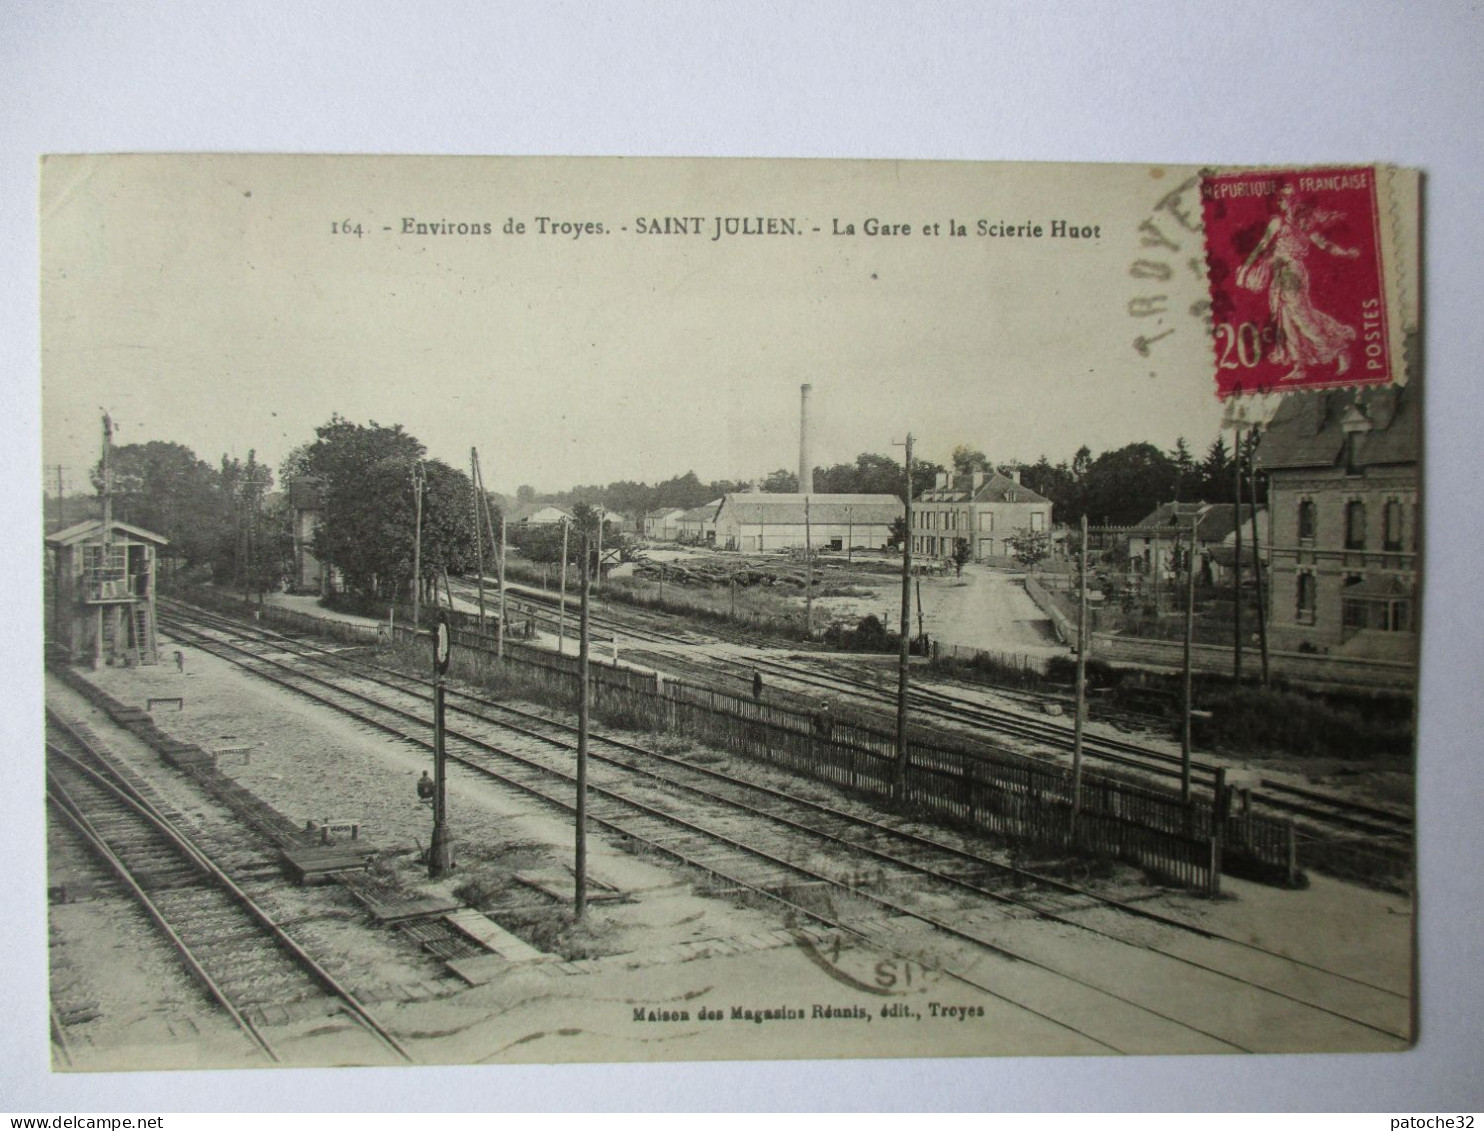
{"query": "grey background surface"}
pixel 1234 83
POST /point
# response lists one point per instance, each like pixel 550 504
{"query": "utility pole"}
pixel 921 630
pixel 440 848
pixel 850 534
pixel 478 529
pixel 1262 603
pixel 1237 568
pixel 562 602
pixel 418 480
pixel 580 868
pixel 899 780
pixel 500 578
pixel 600 547
pixel 808 575
pixel 499 549
pixel 1186 704
pixel 1081 715
pixel 61 500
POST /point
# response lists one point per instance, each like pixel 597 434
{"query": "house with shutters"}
pixel 1346 522
pixel 987 508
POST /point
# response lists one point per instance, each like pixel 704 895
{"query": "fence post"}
pixel 1213 884
pixel 1292 837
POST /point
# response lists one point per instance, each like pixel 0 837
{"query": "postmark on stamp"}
pixel 1295 261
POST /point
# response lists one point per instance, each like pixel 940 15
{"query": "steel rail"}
pixel 330 659
pixel 887 904
pixel 127 793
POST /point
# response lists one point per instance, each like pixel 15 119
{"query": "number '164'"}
pixel 1244 341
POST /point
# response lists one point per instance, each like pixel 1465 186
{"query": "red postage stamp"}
pixel 1298 297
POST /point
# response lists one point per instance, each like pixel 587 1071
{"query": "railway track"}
pixel 766 840
pixel 1321 812
pixel 245 959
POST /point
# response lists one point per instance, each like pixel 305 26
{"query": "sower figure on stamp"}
pixel 1305 335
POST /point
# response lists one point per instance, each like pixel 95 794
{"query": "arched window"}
pixel 1355 525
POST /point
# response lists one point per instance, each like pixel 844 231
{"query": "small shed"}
pixel 103 592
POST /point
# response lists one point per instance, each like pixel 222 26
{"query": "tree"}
pixel 1216 471
pixel 1185 472
pixel 367 494
pixel 924 476
pixel 898 533
pixel 966 459
pixel 163 487
pixel 1029 547
pixel 1126 484
pixel 525 493
pixel 249 551
pixel 961 555
pixel 781 482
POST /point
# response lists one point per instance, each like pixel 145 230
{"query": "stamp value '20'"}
pixel 1297 280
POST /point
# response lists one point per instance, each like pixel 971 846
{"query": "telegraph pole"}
pixel 1237 568
pixel 1186 704
pixel 500 578
pixel 808 575
pixel 580 869
pixel 562 603
pixel 478 529
pixel 601 511
pixel 1081 685
pixel 1262 604
pixel 440 854
pixel 417 542
pixel 899 782
pixel 499 549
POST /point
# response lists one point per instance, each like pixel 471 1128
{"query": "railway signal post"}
pixel 440 850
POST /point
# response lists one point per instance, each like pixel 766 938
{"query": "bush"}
pixel 1258 719
pixel 1063 669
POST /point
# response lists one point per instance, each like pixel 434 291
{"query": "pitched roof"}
pixel 996 488
pixel 706 512
pixel 90 529
pixel 767 506
pixel 1308 430
pixel 1213 521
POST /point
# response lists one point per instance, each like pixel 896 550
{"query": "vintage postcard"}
pixel 546 610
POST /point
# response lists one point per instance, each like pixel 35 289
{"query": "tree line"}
pixel 226 519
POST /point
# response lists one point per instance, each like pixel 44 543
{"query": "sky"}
pixel 218 301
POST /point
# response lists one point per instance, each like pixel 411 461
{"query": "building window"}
pixel 1304 611
pixel 986 521
pixel 1392 525
pixel 1352 453
pixel 1038 520
pixel 1306 520
pixel 1355 525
